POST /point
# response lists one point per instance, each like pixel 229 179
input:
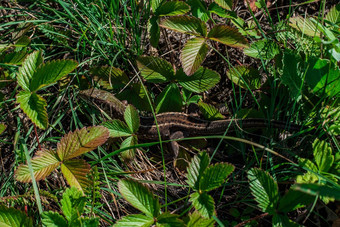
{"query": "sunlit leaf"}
pixel 155 4
pixel 226 4
pixel 117 128
pixel 155 69
pixel 317 189
pixel 264 189
pixel 198 9
pixel 215 175
pixel 10 217
pixel 43 163
pixel 203 203
pixel 34 106
pixel 2 128
pixel 262 49
pixel 304 25
pixel 75 171
pixel 28 68
pixel 172 8
pixel 202 80
pixel 228 36
pixel 109 77
pixel 169 100
pixel 197 166
pixel 196 220
pixel 53 219
pixel 72 204
pixel 129 142
pixel 243 76
pixel 140 197
pixel 323 155
pixel 51 72
pixel 333 15
pixel 131 118
pixel 210 112
pixel 186 25
pixel 81 141
pixel 134 220
pixel 193 54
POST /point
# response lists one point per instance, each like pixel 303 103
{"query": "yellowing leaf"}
pixel 43 163
pixel 34 106
pixel 75 172
pixel 228 36
pixel 81 141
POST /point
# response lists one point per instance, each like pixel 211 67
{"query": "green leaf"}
pixel 10 217
pixel 135 220
pixel 131 118
pixel 2 128
pixel 185 24
pixel 51 72
pixel 129 142
pixel 210 112
pixel 308 177
pixel 75 172
pixel 197 166
pixel 136 96
pixel 154 31
pixel 291 77
pixel 196 220
pixel 305 26
pixel 172 8
pixel 43 163
pixel 89 222
pixel 155 4
pixel 202 80
pixel 262 49
pixel 228 36
pixel 193 54
pixel 293 200
pixel 264 189
pixel 226 4
pixel 81 141
pixel 34 106
pixel 14 58
pixel 72 204
pixel 117 128
pixel 199 9
pixel 169 220
pixel 28 68
pixel 203 203
pixel 243 76
pixel 214 176
pixel 154 69
pixel 169 100
pixel 53 219
pixel 333 15
pixel 280 220
pixel 109 77
pixel 140 197
pixel 214 8
pixel 317 189
pixel 323 155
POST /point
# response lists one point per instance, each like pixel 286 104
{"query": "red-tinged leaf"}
pixel 186 25
pixel 43 163
pixel 81 141
pixel 193 54
pixel 228 36
pixel 75 172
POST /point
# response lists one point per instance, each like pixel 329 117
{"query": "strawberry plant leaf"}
pixel 50 218
pixel 117 128
pixel 185 24
pixel 109 77
pixel 196 220
pixel 243 76
pixel 154 31
pixel 137 96
pixel 28 68
pixel 193 54
pixel 214 176
pixel 72 204
pixel 129 142
pixel 81 141
pixel 202 80
pixel 140 197
pixel 155 4
pixel 333 15
pixel 43 163
pixel 134 220
pixel 264 189
pixel 14 58
pixel 198 9
pixel 323 155
pixel 305 26
pixel 75 171
pixel 228 36
pixel 131 118
pixel 169 100
pixel 14 218
pixel 167 219
pixel 172 8
pixel 262 49
pixel 2 128
pixel 203 203
pixel 210 112
pixel 317 189
pixel 283 220
pixel 34 106
pixel 196 169
pixel 218 10
pixel 51 72
pixel 226 4
pixel 154 69
pixel 293 200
